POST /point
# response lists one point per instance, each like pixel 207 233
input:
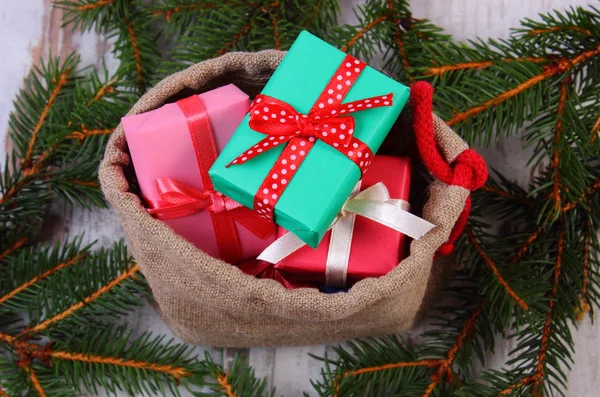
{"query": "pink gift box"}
pixel 376 249
pixel 161 146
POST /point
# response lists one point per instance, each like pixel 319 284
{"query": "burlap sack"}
pixel 210 302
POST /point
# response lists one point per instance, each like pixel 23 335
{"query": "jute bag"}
pixel 210 302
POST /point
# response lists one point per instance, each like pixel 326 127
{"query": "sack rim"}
pixel 281 301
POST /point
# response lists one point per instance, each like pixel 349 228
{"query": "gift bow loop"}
pixel 376 204
pixel 179 199
pixel 332 124
pixel 373 203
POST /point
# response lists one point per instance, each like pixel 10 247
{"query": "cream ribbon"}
pixel 373 203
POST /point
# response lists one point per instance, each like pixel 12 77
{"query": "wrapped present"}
pixel 368 237
pixel 172 149
pixel 308 138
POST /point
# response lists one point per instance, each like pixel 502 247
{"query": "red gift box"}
pixel 375 248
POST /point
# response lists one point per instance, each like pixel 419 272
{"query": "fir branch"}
pixel 495 271
pixel 354 39
pixel 528 380
pixel 176 372
pixel 105 89
pixel 44 87
pixel 136 54
pixel 35 382
pixel 235 40
pixel 22 287
pixel 587 193
pixel 542 356
pixel 445 366
pixel 536 32
pixel 85 132
pixel 15 246
pixel 595 131
pixel 506 194
pixel 225 385
pixel 130 273
pixel 528 242
pixel 439 71
pixel 96 4
pixel 62 81
pixel 560 110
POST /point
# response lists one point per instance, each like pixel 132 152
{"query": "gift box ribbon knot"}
pixel 329 121
pixel 179 199
pixel 373 203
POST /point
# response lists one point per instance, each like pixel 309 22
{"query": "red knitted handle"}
pixel 468 169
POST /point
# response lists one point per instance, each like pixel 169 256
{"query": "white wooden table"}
pixel 31 28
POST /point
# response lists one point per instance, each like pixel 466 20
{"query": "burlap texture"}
pixel 210 302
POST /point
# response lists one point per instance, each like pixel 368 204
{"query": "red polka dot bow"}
pixel 329 120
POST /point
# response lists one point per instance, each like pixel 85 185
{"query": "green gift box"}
pixel 324 180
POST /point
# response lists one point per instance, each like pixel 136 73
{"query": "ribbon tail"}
pixel 391 216
pixel 268 143
pixel 281 248
pixel 338 256
pixel 253 267
pixel 259 226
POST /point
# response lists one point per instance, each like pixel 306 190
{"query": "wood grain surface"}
pixel 30 29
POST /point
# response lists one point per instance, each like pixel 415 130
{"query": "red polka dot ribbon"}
pixel 329 120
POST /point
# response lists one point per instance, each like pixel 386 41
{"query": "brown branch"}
pixel 40 277
pixel 506 194
pixel 168 13
pixel 79 305
pixel 385 367
pixel 362 32
pixel 559 29
pixel 84 183
pixel 276 36
pixel 6 338
pixel 245 29
pixel 62 81
pixel 446 364
pixel 584 307
pixel 35 382
pixel 495 271
pixel 586 258
pixel 532 237
pixel 28 174
pixel 17 244
pixel 523 382
pixel 402 51
pixel 590 191
pixel 136 54
pixel 561 66
pixel 541 361
pixel 3 393
pixel 595 131
pixel 91 6
pixel 84 133
pixel 308 17
pixel 175 372
pixel 441 70
pixel 558 134
pixel 224 383
pixel 105 89
pixel 188 7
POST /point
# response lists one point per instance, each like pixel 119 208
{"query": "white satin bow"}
pixel 373 203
